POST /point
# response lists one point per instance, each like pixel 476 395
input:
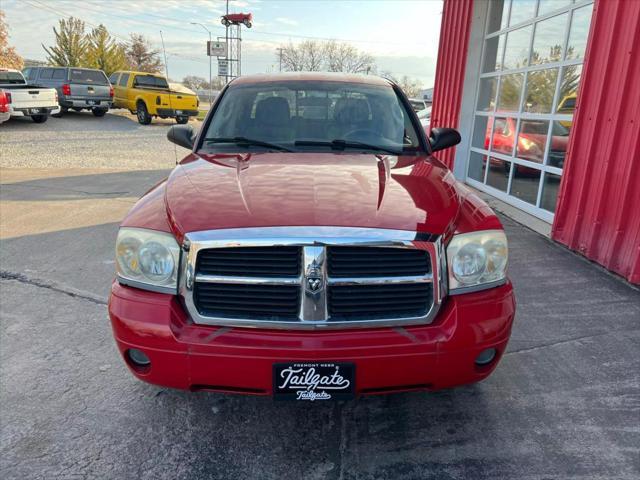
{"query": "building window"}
pixel 529 80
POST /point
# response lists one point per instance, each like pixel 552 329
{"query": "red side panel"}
pixel 452 58
pixel 598 212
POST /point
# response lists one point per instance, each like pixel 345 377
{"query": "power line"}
pixel 253 32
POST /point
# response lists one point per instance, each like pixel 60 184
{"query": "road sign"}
pixel 223 67
pixel 217 49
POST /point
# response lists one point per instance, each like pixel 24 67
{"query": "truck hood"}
pixel 207 192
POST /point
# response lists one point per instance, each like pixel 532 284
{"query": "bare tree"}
pixel 332 56
pixel 141 56
pixel 292 58
pixel 410 86
pixel 343 57
pixel 195 83
pixel 8 56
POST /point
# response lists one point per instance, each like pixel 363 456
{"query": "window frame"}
pixel 492 112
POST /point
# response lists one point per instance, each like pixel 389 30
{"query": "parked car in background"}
pixel 424 116
pixel 149 95
pixel 567 106
pixel 311 251
pixel 530 144
pixel 24 100
pixel 417 104
pixel 78 88
pixel 4 107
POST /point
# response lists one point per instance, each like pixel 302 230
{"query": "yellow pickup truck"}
pixel 149 95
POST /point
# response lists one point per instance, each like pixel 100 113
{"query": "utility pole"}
pixel 280 56
pixel 209 54
pixel 226 36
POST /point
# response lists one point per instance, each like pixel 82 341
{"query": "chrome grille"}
pixel 310 277
pixel 250 261
pixel 376 262
pixel 360 302
pixel 265 302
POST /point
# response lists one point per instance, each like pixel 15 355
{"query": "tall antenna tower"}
pixel 234 23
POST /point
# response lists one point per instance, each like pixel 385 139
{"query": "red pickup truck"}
pixel 310 247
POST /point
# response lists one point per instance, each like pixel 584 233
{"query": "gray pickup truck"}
pixel 78 88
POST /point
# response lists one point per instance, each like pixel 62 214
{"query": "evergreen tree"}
pixel 104 52
pixel 71 45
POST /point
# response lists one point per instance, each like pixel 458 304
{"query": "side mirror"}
pixel 182 135
pixel 441 138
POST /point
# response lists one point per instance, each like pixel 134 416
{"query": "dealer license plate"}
pixel 313 381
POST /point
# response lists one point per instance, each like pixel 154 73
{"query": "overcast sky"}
pixel 402 35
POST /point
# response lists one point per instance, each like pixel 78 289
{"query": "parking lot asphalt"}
pixel 79 139
pixel 563 404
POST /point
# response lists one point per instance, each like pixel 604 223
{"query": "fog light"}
pixel 486 357
pixel 138 358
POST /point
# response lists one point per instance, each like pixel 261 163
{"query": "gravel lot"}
pixel 81 140
pixel 563 404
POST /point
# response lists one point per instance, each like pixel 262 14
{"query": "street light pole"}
pixel 209 54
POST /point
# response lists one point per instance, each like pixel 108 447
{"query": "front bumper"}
pixel 168 112
pixel 239 360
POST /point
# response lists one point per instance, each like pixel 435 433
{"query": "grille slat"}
pixel 239 301
pixel 250 261
pixel 376 261
pixel 362 302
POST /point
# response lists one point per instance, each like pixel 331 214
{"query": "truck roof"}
pixel 311 77
pixel 133 72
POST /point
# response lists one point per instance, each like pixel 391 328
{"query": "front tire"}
pixel 39 118
pixel 99 112
pixel 182 120
pixel 143 114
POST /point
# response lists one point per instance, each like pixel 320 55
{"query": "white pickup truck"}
pixel 22 100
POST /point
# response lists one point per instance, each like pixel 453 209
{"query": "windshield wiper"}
pixel 339 144
pixel 247 141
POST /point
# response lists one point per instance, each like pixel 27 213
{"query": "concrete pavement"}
pixel 564 402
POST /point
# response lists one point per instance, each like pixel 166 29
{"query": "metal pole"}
pixel 210 85
pixel 208 53
pixel 226 36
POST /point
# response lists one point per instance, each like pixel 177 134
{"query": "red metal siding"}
pixel 452 57
pixel 598 212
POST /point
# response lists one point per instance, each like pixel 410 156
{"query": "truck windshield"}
pixel 11 78
pixel 312 116
pixel 88 76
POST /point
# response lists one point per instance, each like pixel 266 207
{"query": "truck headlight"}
pixel 477 260
pixel 147 259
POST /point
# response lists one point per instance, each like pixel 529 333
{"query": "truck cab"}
pixel 149 95
pixel 21 99
pixel 78 88
pixel 311 247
